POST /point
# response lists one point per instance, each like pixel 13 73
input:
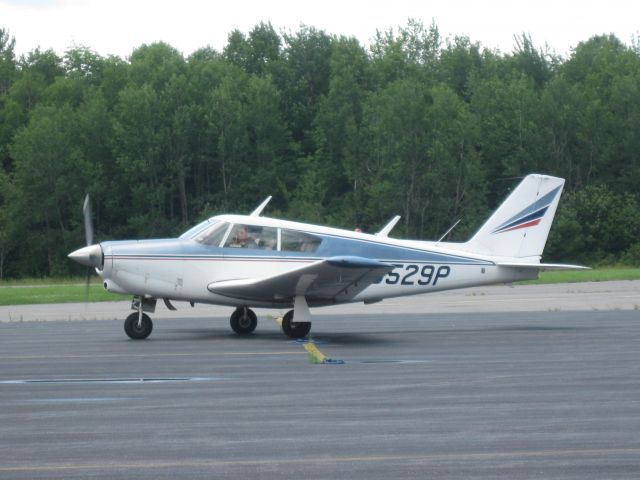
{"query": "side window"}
pixel 252 236
pixel 213 235
pixel 299 242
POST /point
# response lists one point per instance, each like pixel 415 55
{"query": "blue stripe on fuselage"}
pixel 331 246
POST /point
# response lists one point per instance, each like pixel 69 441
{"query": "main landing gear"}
pixel 301 327
pixel 243 320
pixel 294 329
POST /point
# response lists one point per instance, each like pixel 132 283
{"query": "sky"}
pixel 119 26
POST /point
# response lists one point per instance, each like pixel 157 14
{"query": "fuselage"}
pixel 217 250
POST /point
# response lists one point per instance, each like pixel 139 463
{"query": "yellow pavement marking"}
pixel 315 355
pixel 436 457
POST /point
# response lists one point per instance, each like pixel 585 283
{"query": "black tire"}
pixel 294 329
pixel 136 332
pixel 243 321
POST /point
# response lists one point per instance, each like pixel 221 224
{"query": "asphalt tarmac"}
pixel 551 394
pixel 587 296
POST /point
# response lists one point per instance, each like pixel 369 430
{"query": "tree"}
pixel 255 53
pixel 595 225
pixel 510 139
pixel 414 50
pixel 302 77
pixel 458 61
pixel 8 70
pixel 51 175
pixel 349 84
pixel 336 133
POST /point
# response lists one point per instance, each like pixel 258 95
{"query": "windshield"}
pixel 193 230
pixel 212 235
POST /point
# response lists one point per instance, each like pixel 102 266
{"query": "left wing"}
pixel 332 278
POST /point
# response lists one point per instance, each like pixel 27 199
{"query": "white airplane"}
pixel 246 261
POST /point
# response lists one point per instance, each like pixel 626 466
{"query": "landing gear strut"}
pixel 243 321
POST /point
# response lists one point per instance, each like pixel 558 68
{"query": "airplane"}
pixel 251 261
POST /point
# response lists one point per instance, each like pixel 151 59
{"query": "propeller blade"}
pixel 86 286
pixel 88 226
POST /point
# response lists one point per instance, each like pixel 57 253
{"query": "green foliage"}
pixel 337 133
pixel 596 225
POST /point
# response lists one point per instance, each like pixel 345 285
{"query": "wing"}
pixel 336 278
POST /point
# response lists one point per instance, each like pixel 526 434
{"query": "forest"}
pixel 339 133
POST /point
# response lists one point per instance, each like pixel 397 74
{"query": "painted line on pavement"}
pixel 326 460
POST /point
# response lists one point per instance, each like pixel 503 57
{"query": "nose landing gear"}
pixel 243 321
pixel 138 327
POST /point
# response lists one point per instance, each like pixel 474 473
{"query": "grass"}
pixel 596 275
pixel 61 290
pixel 32 291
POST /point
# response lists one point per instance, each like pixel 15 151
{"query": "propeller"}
pixel 88 226
pixel 91 255
pixel 88 235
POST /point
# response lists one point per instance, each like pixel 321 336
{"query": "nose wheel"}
pixel 243 321
pixel 138 327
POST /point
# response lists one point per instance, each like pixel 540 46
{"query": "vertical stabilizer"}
pixel 520 226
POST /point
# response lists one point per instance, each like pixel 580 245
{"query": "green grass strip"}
pixel 595 275
pixel 61 290
pixel 33 294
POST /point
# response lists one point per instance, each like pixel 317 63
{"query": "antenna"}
pixel 448 231
pixel 388 227
pixel 258 211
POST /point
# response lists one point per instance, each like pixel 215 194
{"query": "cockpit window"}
pixel 213 235
pixel 293 241
pixel 252 236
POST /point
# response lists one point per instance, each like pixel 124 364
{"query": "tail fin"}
pixel 520 226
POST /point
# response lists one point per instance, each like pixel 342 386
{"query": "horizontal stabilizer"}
pixel 543 266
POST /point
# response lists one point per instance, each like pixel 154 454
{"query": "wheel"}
pixel 138 332
pixel 294 329
pixel 243 321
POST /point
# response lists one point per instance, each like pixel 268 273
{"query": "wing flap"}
pixel 332 278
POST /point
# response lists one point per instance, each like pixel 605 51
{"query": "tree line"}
pixel 339 133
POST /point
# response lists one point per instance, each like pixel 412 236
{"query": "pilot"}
pixel 243 237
